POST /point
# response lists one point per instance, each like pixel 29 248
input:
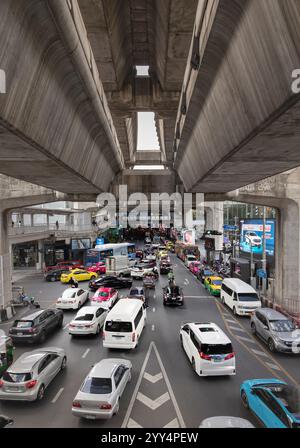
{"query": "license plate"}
pixel 20 334
pixel 217 359
pixel 13 389
pixel 90 417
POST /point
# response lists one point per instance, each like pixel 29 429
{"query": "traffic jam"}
pixel 93 296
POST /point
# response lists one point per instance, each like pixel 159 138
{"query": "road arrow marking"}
pixel 153 378
pixel 133 424
pixel 173 424
pixel 153 404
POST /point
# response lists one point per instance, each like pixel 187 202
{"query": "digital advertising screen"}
pixel 251 236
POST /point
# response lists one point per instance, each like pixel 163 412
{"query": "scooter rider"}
pixel 171 276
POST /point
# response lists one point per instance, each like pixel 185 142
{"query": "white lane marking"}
pixel 237 328
pixel 259 352
pixel 86 352
pixel 246 339
pixel 153 404
pixel 173 424
pixel 133 424
pixel 273 366
pixel 175 404
pixel 154 296
pixel 153 327
pixel 57 395
pixel 153 309
pixel 198 297
pixel 187 282
pixel 153 378
pixel 66 326
pixel 171 393
pixel 231 320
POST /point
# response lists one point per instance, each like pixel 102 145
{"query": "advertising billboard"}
pixel 251 236
pixel 188 236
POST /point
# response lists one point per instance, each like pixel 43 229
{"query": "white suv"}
pixel 208 349
pixel 253 239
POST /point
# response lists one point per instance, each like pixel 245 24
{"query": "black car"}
pixel 110 281
pixel 54 276
pixel 165 267
pixel 173 295
pixel 35 327
pixel 5 421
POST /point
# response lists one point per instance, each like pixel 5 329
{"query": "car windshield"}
pixel 69 294
pixel 216 349
pixel 289 396
pixel 135 292
pixel 16 377
pixel 248 297
pixel 284 325
pixel 206 272
pixel 98 386
pixel 175 291
pixel 217 282
pixel 85 317
pixel 118 326
pixel 23 323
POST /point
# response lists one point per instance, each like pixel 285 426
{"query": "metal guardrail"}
pixel 58 231
pixel 292 306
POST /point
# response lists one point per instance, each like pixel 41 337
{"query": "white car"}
pixel 189 259
pixel 225 422
pixel 253 239
pixel 100 393
pixel 88 320
pixel 72 299
pixel 28 377
pixel 138 272
pixel 151 257
pixel 208 349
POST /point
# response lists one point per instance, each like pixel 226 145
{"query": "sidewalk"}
pixel 18 274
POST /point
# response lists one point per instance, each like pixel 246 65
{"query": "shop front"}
pixel 25 255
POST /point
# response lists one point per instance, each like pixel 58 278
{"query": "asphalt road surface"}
pixel 164 390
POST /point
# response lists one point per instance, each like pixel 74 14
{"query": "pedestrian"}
pixel 74 282
pixel 57 225
pixel 12 223
pixel 20 223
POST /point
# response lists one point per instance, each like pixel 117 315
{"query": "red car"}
pixel 65 265
pixel 194 267
pixel 106 297
pixel 99 268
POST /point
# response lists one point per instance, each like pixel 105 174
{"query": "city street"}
pixel 164 390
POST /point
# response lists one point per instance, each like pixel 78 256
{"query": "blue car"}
pixel 275 403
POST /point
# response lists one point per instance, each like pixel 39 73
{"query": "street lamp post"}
pixel 264 254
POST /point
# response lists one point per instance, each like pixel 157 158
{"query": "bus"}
pixel 102 251
pixel 184 249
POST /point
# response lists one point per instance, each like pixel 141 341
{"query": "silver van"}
pixel 276 330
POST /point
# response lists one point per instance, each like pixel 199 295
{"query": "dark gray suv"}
pixel 276 330
pixel 35 327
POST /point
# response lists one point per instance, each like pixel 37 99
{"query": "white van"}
pixel 239 296
pixel 124 324
pixel 208 349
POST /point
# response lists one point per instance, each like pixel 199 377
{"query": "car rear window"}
pixel 85 317
pixel 117 326
pixel 16 377
pixel 23 324
pixel 216 349
pixel 97 386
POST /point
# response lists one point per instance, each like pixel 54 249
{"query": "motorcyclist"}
pixel 171 276
pixel 23 298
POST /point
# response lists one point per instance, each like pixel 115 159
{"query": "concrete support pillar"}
pixel 5 262
pixel 40 263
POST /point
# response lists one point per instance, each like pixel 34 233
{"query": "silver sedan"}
pixel 99 394
pixel 28 377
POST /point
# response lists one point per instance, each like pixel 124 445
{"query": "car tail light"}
pixel 76 404
pixel 71 326
pixel 33 330
pixel 204 356
pixel 105 406
pixel 88 326
pixel 229 356
pixel 30 384
pixel 133 337
pixel 1 383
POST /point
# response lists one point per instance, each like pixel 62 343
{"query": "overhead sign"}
pixel 230 228
pixel 261 273
pixel 99 241
pixel 188 236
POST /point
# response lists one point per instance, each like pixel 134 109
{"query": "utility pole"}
pixel 264 254
pixel 251 264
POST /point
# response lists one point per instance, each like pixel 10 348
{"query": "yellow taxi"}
pixel 78 274
pixel 170 246
pixel 162 253
pixel 213 284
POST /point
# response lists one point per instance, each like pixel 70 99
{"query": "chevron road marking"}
pixel 173 424
pixel 237 328
pixel 153 378
pixel 273 366
pixel 246 339
pixel 260 352
pixel 133 424
pixel 153 404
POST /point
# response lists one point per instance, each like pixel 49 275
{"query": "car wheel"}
pixel 52 279
pixel 223 300
pixel 181 341
pixel 64 363
pixel 244 399
pixel 60 323
pixel 253 328
pixel 41 392
pixel 98 329
pixel 129 378
pixel 271 345
pixel 234 311
pixel 79 305
pixel 118 407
